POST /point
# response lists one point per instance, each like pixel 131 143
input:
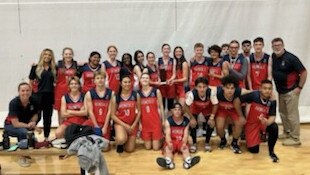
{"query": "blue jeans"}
pixel 20 133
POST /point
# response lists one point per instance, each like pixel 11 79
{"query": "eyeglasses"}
pixel 234 47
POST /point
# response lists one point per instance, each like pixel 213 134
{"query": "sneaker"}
pixel 193 162
pixel 163 163
pixel 120 148
pixel 291 142
pixel 24 162
pixel 235 148
pixel 284 135
pixel 274 157
pixel 193 148
pixel 223 144
pixel 208 147
pixel 44 144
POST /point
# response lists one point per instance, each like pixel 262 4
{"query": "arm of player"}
pixel 269 69
pixel 249 77
pixel 168 134
pixel 242 74
pixel 237 106
pixel 185 136
pixel 137 71
pixel 161 106
pixel 189 99
pixel 245 91
pixel 89 104
pixel 184 73
pixel 108 117
pixel 138 115
pixel 173 73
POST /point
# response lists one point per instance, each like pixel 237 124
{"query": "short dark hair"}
pixel 165 44
pixel 198 45
pixel 229 79
pixel 201 80
pixel 215 48
pixel 246 42
pixel 93 53
pixel 234 41
pixel 225 45
pixel 176 104
pixel 258 39
pixel 278 39
pixel 22 84
pixel 266 81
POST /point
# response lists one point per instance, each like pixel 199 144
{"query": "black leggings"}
pixel 193 131
pixel 273 132
pixel 170 103
pixel 46 101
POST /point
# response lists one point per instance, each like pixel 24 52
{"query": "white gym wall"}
pixel 29 26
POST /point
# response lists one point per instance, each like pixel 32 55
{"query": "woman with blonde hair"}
pixel 45 73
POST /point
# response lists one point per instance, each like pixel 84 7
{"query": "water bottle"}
pixel 6 140
pixel 30 138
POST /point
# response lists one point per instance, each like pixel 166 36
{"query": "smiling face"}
pixel 199 51
pixel 74 85
pixel 214 54
pixel 95 60
pixel 47 56
pixel 24 92
pixel 140 58
pixel 278 47
pixel 112 52
pixel 67 55
pixel 126 83
pixel 166 50
pixel 145 79
pixel 150 59
pixel 126 59
pixel 99 80
pixel 233 49
pixel 178 53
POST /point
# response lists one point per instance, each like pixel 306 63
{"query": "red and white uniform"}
pixel 113 75
pixel 167 91
pixel 150 117
pixel 198 105
pixel 153 74
pixel 226 108
pixel 236 64
pixel 258 70
pixel 198 69
pixel 258 107
pixel 74 105
pixel 217 70
pixel 63 75
pixel 100 109
pixel 177 132
pixel 126 110
pixel 88 76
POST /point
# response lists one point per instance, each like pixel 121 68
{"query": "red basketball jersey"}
pixel 75 105
pixel 100 104
pixel 258 70
pixel 113 74
pixel 126 110
pixel 198 70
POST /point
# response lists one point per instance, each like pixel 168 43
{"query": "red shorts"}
pixel 156 134
pixel 176 145
pixel 74 120
pixel 167 91
pixel 225 113
pixel 106 135
pixel 252 133
pixel 180 92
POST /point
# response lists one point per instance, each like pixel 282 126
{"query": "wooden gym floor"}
pixel 293 160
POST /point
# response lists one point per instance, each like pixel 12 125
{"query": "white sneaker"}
pixel 193 148
pixel 208 147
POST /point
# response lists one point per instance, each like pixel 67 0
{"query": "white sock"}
pixel 168 160
pixel 188 159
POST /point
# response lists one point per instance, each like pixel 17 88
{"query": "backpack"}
pixel 75 131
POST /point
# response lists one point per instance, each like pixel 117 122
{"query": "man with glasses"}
pixel 290 76
pixel 235 63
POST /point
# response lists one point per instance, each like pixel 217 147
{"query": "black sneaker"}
pixel 163 163
pixel 223 143
pixel 193 162
pixel 235 148
pixel 274 157
pixel 120 148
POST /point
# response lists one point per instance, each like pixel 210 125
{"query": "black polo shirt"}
pixel 286 71
pixel 46 82
pixel 23 114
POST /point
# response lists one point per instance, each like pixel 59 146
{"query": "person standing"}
pixel 45 73
pixel 289 76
